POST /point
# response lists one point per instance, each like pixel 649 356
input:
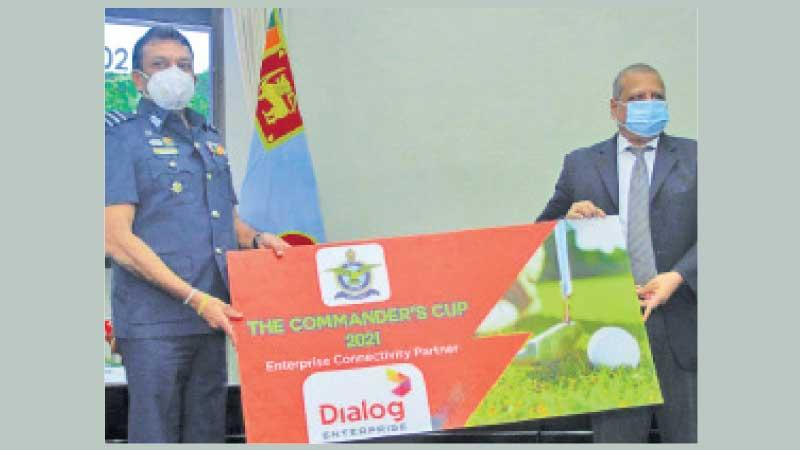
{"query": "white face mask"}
pixel 171 89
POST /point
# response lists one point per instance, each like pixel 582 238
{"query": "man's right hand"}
pixel 217 313
pixel 584 210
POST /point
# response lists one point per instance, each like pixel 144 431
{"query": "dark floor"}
pixel 556 430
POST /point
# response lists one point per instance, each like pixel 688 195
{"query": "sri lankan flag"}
pixel 279 192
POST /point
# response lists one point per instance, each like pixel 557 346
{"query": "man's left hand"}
pixel 658 291
pixel 277 244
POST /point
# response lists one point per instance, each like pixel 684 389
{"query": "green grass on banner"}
pixel 559 380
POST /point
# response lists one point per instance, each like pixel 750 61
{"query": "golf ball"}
pixel 613 347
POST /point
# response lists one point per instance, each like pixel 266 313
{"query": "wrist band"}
pixel 203 304
pixel 189 297
pixel 255 239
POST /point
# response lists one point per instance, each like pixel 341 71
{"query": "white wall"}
pixel 424 120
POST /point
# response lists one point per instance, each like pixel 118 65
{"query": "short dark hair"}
pixel 157 33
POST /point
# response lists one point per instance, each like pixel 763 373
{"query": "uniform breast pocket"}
pixel 175 181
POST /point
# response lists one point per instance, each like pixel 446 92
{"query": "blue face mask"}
pixel 647 118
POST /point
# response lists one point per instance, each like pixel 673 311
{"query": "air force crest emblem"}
pixel 355 278
pixel 352 274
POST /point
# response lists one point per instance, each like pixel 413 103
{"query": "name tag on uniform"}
pixel 165 150
pixel 156 142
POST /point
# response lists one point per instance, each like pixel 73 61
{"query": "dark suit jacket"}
pixel 591 174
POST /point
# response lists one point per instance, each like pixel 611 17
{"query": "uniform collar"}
pixel 157 115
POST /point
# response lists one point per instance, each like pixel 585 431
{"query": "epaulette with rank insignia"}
pixel 114 118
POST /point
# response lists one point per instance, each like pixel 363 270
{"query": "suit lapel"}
pixel 606 162
pixel 665 160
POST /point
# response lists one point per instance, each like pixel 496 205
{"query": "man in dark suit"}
pixel 649 179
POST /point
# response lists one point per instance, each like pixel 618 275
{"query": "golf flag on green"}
pixel 279 192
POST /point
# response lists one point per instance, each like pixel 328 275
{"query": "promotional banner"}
pixel 352 341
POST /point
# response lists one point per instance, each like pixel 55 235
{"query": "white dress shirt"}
pixel 625 160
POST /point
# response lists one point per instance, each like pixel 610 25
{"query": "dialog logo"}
pixel 403 382
pixel 354 274
pixel 354 404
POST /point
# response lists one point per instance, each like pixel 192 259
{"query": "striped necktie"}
pixel 640 241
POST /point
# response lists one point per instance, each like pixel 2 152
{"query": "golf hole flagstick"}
pixel 562 256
